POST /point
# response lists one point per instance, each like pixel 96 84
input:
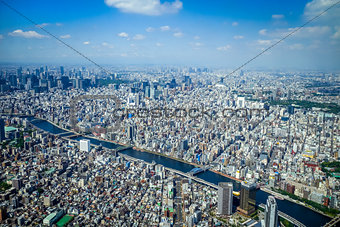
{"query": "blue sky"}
pixel 223 33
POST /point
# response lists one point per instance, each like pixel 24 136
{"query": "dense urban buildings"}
pixel 257 129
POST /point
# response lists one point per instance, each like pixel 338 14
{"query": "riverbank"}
pixel 275 193
pixel 76 134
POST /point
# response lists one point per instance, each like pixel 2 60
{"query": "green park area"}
pixel 65 220
pixel 331 168
pixel 331 107
pixel 4 186
pixel 326 210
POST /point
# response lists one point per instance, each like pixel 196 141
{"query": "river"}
pixel 300 213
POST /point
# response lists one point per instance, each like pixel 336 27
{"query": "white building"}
pixel 84 145
pixel 270 215
pixel 225 198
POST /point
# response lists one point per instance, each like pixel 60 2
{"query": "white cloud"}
pixel 165 28
pixel 196 45
pixel 124 55
pixel 1 36
pixel 67 36
pixel 234 24
pixel 58 24
pixel 159 44
pixel 178 34
pixel 315 7
pixel 263 32
pixel 150 29
pixel 238 37
pixel 42 25
pixel 86 42
pixel 264 42
pixel 146 7
pixel 305 32
pixel 278 16
pixel 224 48
pixel 105 44
pixel 123 35
pixel 296 46
pixel 139 37
pixel 336 35
pixel 28 34
pixel 197 37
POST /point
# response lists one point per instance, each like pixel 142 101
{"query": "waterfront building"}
pixel 270 215
pixel 85 145
pixel 225 198
pixel 248 198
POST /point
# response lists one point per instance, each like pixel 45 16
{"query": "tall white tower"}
pixel 225 198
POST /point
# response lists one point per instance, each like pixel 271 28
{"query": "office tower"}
pixel 147 91
pixel 137 100
pixel 62 70
pixel 77 83
pixel 248 198
pixel 225 198
pixel 187 80
pixel 2 129
pixel 184 145
pixel 65 82
pixel 3 213
pixel 47 200
pixel 13 80
pixel 270 215
pixel 152 92
pixel 85 145
pixel 291 109
pixel 131 132
pixel 289 95
pixel 17 183
pixel 241 102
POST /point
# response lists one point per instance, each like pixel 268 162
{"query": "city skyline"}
pixel 227 35
pixel 170 113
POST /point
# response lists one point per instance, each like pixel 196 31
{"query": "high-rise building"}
pixel 62 70
pixel 3 213
pixel 184 145
pixel 248 198
pixel 47 200
pixel 85 145
pixel 241 102
pixel 270 215
pixel 225 198
pixel 17 183
pixel 131 132
pixel 147 91
pixel 2 130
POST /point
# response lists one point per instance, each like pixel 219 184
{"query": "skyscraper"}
pixel 17 183
pixel 248 198
pixel 62 70
pixel 2 129
pixel 225 198
pixel 131 132
pixel 270 215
